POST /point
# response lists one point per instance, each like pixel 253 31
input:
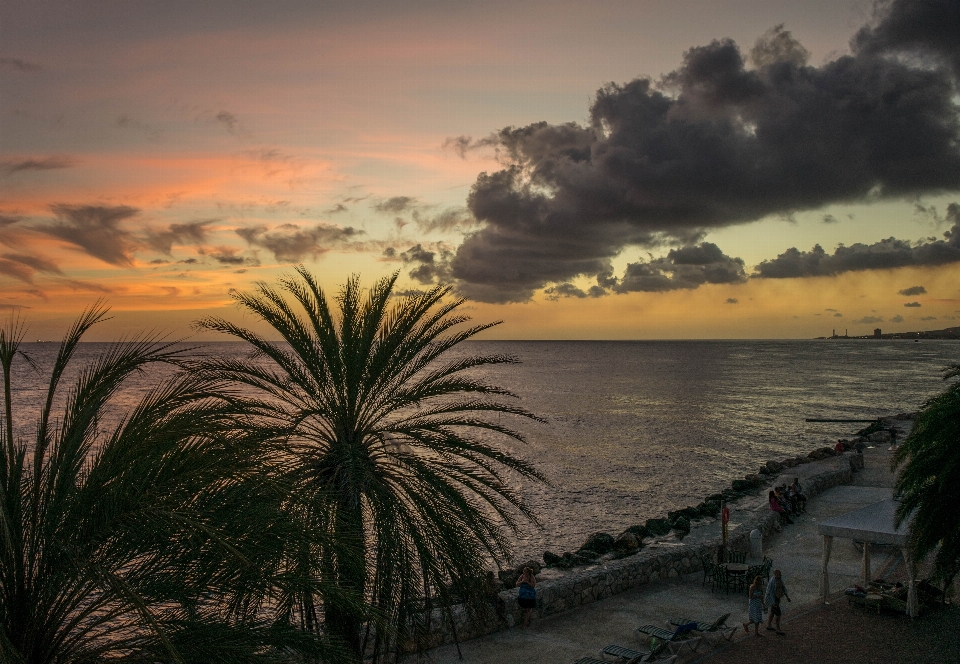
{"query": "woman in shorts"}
pixel 527 583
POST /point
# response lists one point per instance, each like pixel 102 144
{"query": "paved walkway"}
pixel 564 638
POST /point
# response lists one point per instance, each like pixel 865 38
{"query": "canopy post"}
pixel 866 564
pixel 824 574
pixel 911 583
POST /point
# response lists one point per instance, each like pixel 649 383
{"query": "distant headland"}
pixel 948 333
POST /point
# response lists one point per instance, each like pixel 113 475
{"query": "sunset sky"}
pixel 605 170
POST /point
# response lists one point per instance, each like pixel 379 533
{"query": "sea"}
pixel 634 429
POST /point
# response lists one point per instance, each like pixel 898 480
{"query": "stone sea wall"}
pixel 606 578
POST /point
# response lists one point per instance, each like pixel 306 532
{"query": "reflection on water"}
pixel 638 428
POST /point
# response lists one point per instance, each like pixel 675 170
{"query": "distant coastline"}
pixel 947 333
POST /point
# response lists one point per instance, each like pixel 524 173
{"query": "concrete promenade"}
pixel 563 638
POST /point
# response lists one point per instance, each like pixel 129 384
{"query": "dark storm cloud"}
pixel 897 319
pixel 912 304
pixel 336 209
pixel 16 64
pixel 190 232
pixel 685 268
pixel 44 164
pixel 867 320
pixel 926 29
pixel 289 243
pixel 913 290
pixel 883 255
pixel 732 300
pixel 95 229
pixel 569 290
pixel 830 219
pixel 431 266
pixel 726 139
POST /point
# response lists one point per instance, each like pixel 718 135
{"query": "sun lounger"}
pixel 631 656
pixel 682 635
pixel 718 626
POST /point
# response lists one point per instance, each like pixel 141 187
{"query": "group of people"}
pixel 788 501
pixel 761 602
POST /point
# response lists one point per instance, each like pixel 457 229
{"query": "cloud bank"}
pixel 728 138
pixel 885 254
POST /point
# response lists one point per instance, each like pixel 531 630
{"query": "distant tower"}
pixel 876 333
pixel 834 333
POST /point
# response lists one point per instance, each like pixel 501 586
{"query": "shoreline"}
pixel 663 558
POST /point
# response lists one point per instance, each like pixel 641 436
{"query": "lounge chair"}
pixel 631 656
pixel 682 635
pixel 718 626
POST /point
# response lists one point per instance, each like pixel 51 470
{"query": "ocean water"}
pixel 635 429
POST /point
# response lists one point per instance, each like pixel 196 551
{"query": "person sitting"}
pixel 784 499
pixel 778 508
pixel 839 448
pixel 796 492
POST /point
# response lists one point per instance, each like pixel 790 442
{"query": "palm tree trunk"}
pixel 348 566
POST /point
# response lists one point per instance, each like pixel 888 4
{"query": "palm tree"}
pixel 928 485
pixel 147 540
pixel 392 442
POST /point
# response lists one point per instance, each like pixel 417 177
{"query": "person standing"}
pixel 527 596
pixel 776 590
pixel 756 605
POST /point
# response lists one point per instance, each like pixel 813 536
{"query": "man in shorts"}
pixel 776 590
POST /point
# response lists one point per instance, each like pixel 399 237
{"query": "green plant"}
pixel 393 447
pixel 139 534
pixel 928 484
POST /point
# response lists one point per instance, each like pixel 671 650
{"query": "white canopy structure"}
pixel 873 523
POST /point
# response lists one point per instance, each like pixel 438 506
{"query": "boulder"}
pixel 586 555
pixel 710 508
pixel 681 527
pixel 551 559
pixel 774 467
pixel 689 512
pixel 638 531
pixel 880 437
pixel 743 485
pixel 626 545
pixel 566 561
pixel 755 480
pixel 600 542
pixel 787 463
pixel 508 577
pixel 657 527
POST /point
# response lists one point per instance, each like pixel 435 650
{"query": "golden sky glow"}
pixel 232 140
